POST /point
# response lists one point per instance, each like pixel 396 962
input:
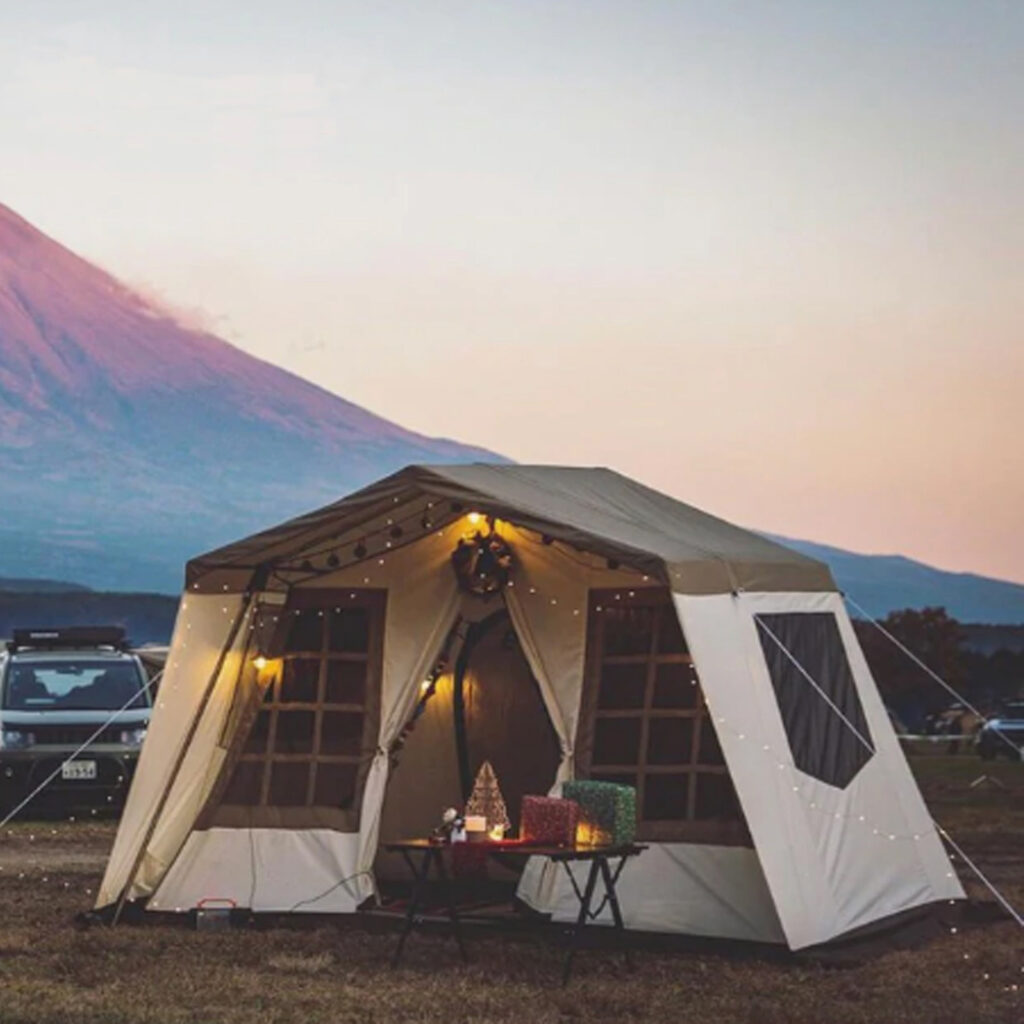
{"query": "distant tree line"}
pixel 145 618
pixel 985 679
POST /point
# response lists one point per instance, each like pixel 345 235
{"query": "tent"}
pixel 333 680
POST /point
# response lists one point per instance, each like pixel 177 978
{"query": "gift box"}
pixel 548 819
pixel 607 811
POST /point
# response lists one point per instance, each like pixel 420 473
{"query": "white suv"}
pixel 57 688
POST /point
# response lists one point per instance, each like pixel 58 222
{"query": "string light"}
pixel 798 787
pixel 782 764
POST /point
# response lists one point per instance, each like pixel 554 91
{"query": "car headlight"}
pixel 133 737
pixel 16 739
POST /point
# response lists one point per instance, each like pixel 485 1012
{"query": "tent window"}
pixel 644 722
pixel 817 697
pixel 314 731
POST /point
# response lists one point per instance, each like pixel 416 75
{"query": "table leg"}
pixel 613 902
pixel 453 914
pixel 581 920
pixel 419 885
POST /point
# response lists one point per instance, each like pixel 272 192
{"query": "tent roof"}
pixel 597 510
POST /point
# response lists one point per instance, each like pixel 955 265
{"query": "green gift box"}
pixel 607 811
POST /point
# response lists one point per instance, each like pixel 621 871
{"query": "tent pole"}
pixel 459 711
pixel 179 760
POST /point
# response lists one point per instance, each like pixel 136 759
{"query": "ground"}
pixel 51 971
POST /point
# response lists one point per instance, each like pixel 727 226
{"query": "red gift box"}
pixel 550 820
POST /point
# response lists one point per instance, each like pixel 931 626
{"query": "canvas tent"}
pixel 637 639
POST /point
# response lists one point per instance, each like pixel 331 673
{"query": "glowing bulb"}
pixel 424 686
pixel 260 662
pixel 474 518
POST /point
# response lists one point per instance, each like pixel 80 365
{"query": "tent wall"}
pixel 549 612
pixel 201 631
pixel 266 869
pixel 422 604
pixel 833 858
pixel 704 890
pixel 715 891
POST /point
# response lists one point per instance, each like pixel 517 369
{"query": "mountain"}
pixel 885 583
pixel 129 441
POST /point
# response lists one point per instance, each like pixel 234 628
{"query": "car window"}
pixel 87 685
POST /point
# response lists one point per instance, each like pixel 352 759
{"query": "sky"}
pixel 766 257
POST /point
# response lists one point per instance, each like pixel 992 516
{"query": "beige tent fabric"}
pixel 201 630
pixel 718 891
pixel 834 858
pixel 266 869
pixel 423 600
pixel 422 606
pixel 548 604
pixel 593 509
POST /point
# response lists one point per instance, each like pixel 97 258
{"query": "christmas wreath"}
pixel 482 564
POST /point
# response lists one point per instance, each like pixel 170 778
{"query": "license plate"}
pixel 78 770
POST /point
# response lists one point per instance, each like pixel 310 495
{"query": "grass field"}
pixel 159 973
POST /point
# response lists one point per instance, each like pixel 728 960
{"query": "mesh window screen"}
pixel 310 741
pixel 644 722
pixel 824 720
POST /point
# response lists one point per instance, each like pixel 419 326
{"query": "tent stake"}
pixel 184 748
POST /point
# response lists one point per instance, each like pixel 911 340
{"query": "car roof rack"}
pixel 68 638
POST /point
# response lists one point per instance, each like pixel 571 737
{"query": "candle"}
pixel 476 827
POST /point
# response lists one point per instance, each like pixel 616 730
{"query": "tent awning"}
pixel 596 510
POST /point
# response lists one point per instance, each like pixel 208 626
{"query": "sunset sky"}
pixel 764 256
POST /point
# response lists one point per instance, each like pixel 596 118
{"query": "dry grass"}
pixel 160 973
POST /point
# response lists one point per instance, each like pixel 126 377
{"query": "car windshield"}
pixel 87 685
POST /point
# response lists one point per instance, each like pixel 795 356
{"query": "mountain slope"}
pixel 885 583
pixel 129 441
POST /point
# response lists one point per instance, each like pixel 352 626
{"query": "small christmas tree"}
pixel 486 799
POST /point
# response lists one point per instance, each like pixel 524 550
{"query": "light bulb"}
pixel 260 662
